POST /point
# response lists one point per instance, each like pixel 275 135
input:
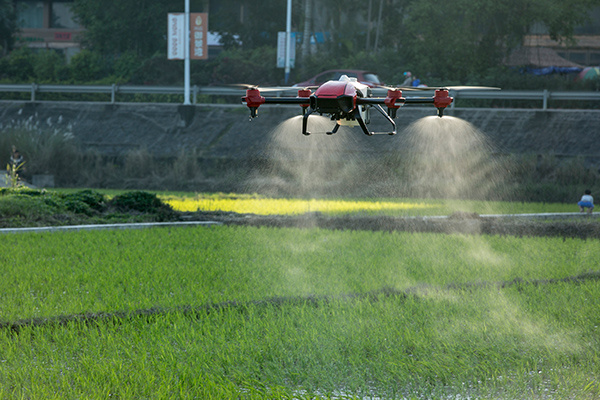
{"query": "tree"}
pixel 8 25
pixel 464 38
pixel 307 31
pixel 254 23
pixel 138 26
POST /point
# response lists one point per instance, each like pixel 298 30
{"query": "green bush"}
pixel 20 65
pixel 78 207
pixel 92 200
pixel 88 66
pixel 25 207
pixel 50 66
pixel 142 202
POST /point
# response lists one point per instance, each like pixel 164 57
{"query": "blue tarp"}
pixel 552 70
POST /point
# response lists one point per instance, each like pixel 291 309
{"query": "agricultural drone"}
pixel 348 102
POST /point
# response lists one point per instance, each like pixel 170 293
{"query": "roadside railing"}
pixel 543 96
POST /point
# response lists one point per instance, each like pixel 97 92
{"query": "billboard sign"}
pixel 198 36
pixel 175 36
pixel 281 46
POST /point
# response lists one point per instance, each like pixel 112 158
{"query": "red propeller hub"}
pixel 392 97
pixel 441 100
pixel 253 100
pixel 305 93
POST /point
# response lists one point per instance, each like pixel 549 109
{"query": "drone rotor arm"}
pixel 253 100
pixel 286 100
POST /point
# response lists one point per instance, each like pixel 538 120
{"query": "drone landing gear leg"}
pixel 305 122
pixel 361 122
pixel 378 107
pixel 335 129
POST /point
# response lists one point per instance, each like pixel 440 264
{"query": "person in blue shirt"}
pixel 587 201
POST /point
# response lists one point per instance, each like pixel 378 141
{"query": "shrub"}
pixel 50 66
pixel 25 206
pixel 87 66
pixel 20 64
pixel 142 202
pixel 77 206
pixel 93 200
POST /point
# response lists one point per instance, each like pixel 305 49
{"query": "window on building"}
pixel 30 14
pixel 62 16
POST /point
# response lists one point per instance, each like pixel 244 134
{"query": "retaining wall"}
pixel 224 131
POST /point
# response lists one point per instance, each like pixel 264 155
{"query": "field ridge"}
pixel 315 300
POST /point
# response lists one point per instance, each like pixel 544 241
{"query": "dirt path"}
pixel 562 225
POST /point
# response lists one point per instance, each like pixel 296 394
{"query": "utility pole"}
pixel 369 26
pixel 378 25
pixel 186 45
pixel 288 41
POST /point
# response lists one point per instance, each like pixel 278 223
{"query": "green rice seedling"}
pixel 238 312
pixel 48 275
pixel 484 342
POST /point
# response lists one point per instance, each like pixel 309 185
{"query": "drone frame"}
pixel 347 100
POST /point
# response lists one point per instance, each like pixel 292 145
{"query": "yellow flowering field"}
pixel 272 206
pixel 261 205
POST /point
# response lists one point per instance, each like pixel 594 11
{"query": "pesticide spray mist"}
pixel 448 158
pixel 440 158
pixel 317 165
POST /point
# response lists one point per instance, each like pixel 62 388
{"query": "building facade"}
pixel 47 24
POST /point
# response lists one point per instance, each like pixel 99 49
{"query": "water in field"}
pixel 305 166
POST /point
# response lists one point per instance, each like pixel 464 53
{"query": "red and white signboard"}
pixel 198 36
pixel 175 36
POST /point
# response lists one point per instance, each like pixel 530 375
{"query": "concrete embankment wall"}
pixel 224 131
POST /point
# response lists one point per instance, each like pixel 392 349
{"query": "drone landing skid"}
pixel 305 131
pixel 358 118
pixel 363 126
pixel 334 130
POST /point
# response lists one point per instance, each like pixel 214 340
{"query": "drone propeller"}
pixel 246 86
pixel 455 88
pixel 314 87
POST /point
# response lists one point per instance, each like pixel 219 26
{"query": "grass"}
pixel 74 272
pixel 241 312
pixel 444 344
pixel 301 313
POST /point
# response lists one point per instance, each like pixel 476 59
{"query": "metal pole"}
pixel 113 93
pixel 288 36
pixel 186 45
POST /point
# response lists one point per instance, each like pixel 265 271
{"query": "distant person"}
pixel 16 158
pixel 416 82
pixel 408 80
pixel 587 201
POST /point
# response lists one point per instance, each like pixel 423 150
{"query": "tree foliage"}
pixel 114 27
pixel 442 42
pixel 463 38
pixel 8 25
pixel 456 41
pixel 253 23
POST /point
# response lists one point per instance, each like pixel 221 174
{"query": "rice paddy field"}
pixel 259 312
